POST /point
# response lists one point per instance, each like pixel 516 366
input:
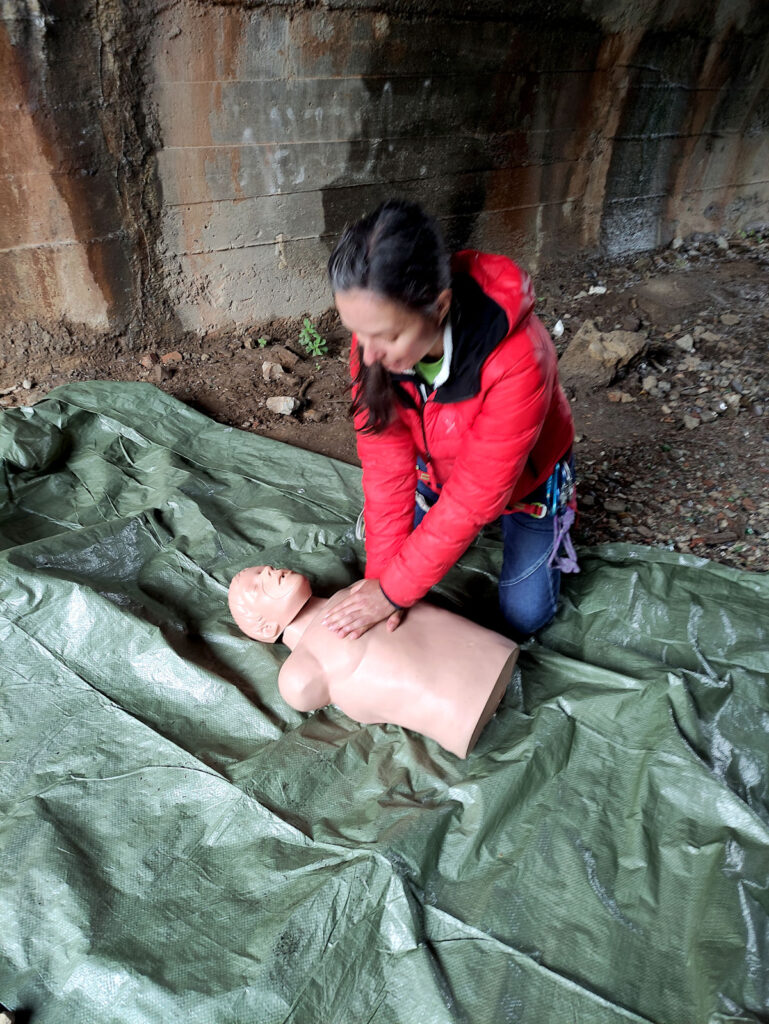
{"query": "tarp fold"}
pixel 176 844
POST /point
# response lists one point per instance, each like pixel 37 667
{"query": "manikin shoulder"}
pixel 303 680
pixel 301 663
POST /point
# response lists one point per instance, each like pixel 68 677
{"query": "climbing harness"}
pixel 561 501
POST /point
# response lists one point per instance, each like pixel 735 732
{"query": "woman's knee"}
pixel 528 609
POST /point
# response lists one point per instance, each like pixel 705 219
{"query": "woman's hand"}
pixel 363 608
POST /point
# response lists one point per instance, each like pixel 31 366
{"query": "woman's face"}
pixel 390 333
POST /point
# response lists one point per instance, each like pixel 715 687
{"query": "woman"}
pixel 456 397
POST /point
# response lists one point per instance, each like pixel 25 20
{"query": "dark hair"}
pixel 398 252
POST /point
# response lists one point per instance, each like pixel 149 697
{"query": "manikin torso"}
pixel 437 673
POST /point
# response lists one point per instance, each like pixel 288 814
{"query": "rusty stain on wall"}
pixel 91 158
pixel 196 162
pixel 43 262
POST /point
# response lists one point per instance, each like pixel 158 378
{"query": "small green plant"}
pixel 311 340
pixel 261 342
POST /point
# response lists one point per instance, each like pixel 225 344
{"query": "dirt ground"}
pixel 672 449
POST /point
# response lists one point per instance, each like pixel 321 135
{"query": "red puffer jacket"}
pixel 489 435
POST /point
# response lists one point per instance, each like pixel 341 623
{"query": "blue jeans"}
pixel 528 586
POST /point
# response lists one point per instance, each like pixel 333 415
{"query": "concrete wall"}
pixel 188 166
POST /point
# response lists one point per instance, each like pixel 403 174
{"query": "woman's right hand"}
pixel 364 607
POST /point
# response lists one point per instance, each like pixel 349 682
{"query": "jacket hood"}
pixel 491 299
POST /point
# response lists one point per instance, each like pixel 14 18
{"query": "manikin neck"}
pixel 292 634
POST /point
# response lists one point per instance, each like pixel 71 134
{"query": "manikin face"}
pixel 263 600
pixel 390 333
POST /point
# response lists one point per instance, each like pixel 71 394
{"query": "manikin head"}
pixel 263 600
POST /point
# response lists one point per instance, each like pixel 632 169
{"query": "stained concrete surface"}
pixel 188 168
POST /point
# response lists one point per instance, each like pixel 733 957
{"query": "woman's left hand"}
pixel 363 608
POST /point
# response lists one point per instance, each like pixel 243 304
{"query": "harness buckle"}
pixel 535 509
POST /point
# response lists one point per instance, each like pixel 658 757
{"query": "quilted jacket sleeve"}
pixel 389 481
pixel 494 452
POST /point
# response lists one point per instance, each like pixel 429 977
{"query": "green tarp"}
pixel 178 845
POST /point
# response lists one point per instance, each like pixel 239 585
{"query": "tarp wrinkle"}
pixel 177 844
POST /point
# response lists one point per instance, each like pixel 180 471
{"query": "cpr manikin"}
pixel 437 673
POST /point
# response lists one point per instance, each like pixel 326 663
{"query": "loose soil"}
pixel 672 449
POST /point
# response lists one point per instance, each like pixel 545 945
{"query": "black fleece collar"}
pixel 478 324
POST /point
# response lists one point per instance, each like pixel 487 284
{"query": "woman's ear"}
pixel 443 304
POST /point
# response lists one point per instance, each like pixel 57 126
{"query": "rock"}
pixel 586 500
pixel 677 242
pixel 284 356
pixel 644 530
pixel 149 360
pixel 557 329
pixel 614 505
pixel 663 387
pixel 616 348
pixel 710 336
pixel 729 319
pixel 161 372
pixel 592 357
pixel 631 323
pixel 722 243
pixel 690 422
pixel 686 343
pixel 171 357
pixel 666 410
pixel 272 371
pixel 597 289
pixel 757 410
pixel 690 362
pixel 649 383
pixel 313 416
pixel 27 384
pixel 724 537
pixel 283 405
pixel 737 386
pixel 620 396
pixel 708 416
